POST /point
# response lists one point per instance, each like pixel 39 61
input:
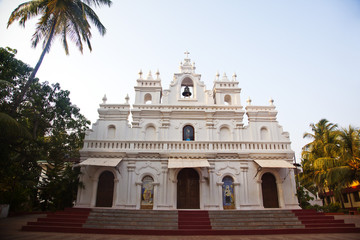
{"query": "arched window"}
pixel 150 133
pixel 148 98
pixel 224 134
pixel 188 133
pixel 111 132
pixel 228 193
pixel 147 193
pixel 187 85
pixel 227 100
pixel 264 134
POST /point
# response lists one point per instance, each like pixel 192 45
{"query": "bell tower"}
pixel 148 90
pixel 186 87
pixel 226 92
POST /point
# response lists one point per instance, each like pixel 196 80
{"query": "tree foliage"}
pixel 58 18
pixel 331 161
pixel 47 127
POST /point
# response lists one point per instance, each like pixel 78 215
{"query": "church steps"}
pixel 75 220
pixel 327 225
pixel 194 220
pixel 135 217
pixel 131 226
pixel 190 222
pixel 124 222
pixel 64 224
pixel 322 221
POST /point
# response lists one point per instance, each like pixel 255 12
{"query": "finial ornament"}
pixel 234 76
pixel 217 76
pixel 271 101
pixel 140 74
pixel 248 101
pixel 225 78
pixel 104 99
pixel 187 54
pixel 149 76
pixel 127 98
pixel 157 74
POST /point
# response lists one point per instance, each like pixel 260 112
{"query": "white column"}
pixel 155 195
pixel 219 194
pixel 237 194
pixel 130 203
pixel 245 185
pixel 115 196
pixel 212 183
pixel 94 191
pixel 260 198
pixel 280 194
pixel 138 193
pixel 163 189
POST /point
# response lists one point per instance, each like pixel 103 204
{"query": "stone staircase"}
pixel 189 222
pixel 261 219
pixel 132 219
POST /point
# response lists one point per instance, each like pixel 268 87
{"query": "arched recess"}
pixel 148 98
pixel 111 132
pixel 147 193
pixel 228 195
pixel 225 134
pixel 105 190
pixel 269 191
pixel 188 133
pixel 187 82
pixel 227 100
pixel 264 134
pixel 188 189
pixel 150 133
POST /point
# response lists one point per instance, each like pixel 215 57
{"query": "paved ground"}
pixel 10 230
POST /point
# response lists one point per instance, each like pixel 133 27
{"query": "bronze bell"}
pixel 186 92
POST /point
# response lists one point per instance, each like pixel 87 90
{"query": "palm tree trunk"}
pixel 19 98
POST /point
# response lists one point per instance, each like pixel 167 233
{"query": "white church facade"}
pixel 187 148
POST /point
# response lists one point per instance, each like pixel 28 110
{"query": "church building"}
pixel 187 147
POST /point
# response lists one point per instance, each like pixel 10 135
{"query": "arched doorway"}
pixel 269 191
pixel 188 189
pixel 105 190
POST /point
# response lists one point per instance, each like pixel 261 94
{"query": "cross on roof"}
pixel 187 54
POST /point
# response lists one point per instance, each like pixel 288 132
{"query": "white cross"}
pixel 187 54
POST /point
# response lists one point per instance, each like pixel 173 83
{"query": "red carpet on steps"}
pixel 189 222
pixel 194 220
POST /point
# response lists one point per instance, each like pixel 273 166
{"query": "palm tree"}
pixel 350 151
pixel 64 18
pixel 321 154
pixel 332 159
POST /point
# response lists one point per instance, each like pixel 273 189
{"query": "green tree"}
pixel 47 127
pixel 320 154
pixel 331 161
pixel 63 18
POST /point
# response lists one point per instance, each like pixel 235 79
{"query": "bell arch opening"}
pixel 187 88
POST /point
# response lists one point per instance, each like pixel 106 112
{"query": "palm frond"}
pixel 94 19
pixel 10 129
pixel 25 11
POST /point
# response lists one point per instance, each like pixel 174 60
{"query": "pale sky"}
pixel 305 54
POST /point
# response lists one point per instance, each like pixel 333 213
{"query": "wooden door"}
pixel 105 190
pixel 269 191
pixel 188 189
